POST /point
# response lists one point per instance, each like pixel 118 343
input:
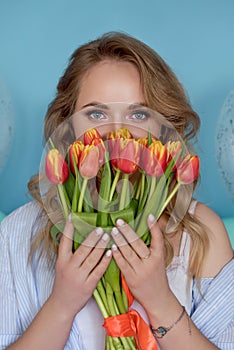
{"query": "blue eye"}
pixel 139 115
pixel 97 115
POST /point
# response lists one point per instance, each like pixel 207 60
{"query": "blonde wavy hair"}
pixel 162 92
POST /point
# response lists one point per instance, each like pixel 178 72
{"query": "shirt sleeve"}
pixel 10 327
pixel 213 307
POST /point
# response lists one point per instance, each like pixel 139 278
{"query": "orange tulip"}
pixel 188 169
pixel 125 155
pixel 143 142
pixel 74 152
pixel 154 159
pixel 174 149
pixel 91 135
pixel 89 161
pixel 122 133
pixel 56 167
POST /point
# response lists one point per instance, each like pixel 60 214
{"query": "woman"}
pixel 47 299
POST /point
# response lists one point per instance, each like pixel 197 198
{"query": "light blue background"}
pixel 196 38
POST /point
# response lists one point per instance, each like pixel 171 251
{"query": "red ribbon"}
pixel 130 324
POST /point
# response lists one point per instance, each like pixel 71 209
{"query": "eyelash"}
pixel 92 112
pixel 145 114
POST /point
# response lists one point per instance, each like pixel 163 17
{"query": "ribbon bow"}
pixel 130 324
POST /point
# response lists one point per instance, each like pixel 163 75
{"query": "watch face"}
pixel 161 331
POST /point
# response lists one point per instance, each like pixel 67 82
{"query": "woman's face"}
pixel 111 97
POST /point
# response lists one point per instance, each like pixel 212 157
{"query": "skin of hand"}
pixel 78 273
pixel 145 274
pixel 143 267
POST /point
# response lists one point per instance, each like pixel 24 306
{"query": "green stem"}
pixel 110 300
pixel 128 342
pixel 102 293
pixel 138 191
pixel 124 192
pixel 114 184
pixel 75 195
pixel 100 303
pixel 120 302
pixel 142 187
pixel 171 195
pixel 63 200
pixel 82 192
pixel 51 143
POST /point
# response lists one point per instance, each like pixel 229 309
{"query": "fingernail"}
pixel 114 247
pixel 105 237
pixel 115 231
pixel 151 218
pixel 98 231
pixel 120 222
pixel 108 253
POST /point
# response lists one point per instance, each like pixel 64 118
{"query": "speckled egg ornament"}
pixel 225 143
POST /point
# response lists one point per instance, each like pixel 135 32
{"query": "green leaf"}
pixel 88 203
pixel 144 192
pixel 69 185
pixel 104 192
pixel 149 138
pixel 102 219
pixel 112 276
pixel 84 223
pixel 80 219
pixel 127 214
pixel 125 192
pixel 151 207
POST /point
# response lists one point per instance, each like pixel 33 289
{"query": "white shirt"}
pixel 24 287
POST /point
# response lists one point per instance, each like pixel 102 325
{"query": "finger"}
pixel 87 246
pixel 66 242
pixel 93 258
pixel 122 263
pixel 100 268
pixel 127 252
pixel 137 244
pixel 157 241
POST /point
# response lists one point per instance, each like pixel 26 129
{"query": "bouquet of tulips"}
pixel 134 177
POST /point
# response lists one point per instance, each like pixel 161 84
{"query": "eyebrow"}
pixel 136 105
pixel 106 107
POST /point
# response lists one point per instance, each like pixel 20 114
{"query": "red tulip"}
pixel 154 159
pixel 116 135
pixel 56 167
pixel 188 169
pixel 74 153
pixel 91 135
pixel 102 149
pixel 89 161
pixel 125 155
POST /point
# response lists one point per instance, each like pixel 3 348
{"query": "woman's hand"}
pixel 142 267
pixel 78 273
